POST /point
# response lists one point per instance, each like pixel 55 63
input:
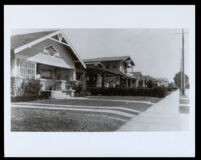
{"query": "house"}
pixel 162 82
pixel 146 79
pixel 47 56
pixel 143 80
pixel 109 72
pixel 138 76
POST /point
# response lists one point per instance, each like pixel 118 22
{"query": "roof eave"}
pixel 30 44
pixel 74 51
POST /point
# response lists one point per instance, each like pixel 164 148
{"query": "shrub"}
pixel 23 98
pixel 31 87
pixel 45 94
pixel 153 92
pixel 150 84
pixel 81 94
pixel 160 91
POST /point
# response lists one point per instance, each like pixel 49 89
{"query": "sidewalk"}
pixel 163 116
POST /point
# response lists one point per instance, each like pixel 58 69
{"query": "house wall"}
pixel 13 65
pixel 30 54
pixel 123 67
pixel 110 64
pixel 119 66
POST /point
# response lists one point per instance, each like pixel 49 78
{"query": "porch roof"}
pixel 95 65
pixel 106 59
pixel 50 60
pixel 128 76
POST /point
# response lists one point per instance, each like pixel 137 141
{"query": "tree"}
pixel 177 80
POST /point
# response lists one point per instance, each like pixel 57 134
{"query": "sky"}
pixel 155 52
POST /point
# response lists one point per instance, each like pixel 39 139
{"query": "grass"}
pixel 134 98
pixel 79 102
pixel 28 119
pixel 35 119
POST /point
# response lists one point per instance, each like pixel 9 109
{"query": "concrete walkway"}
pixel 163 116
pixel 184 110
pixel 109 100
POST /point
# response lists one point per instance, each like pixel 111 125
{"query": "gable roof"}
pixel 162 80
pixel 147 77
pixel 23 41
pixel 105 59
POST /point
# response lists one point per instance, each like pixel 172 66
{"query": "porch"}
pixel 56 80
pixel 102 78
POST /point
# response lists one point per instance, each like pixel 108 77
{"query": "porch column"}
pixel 15 69
pixel 120 81
pixel 131 83
pixel 98 80
pixel 126 82
pixel 74 75
pixel 103 80
pixel 35 71
pixel 137 83
pixel 143 83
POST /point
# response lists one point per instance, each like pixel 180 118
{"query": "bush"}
pixel 152 92
pixel 31 87
pixel 45 94
pixel 81 94
pixel 23 98
pixel 26 98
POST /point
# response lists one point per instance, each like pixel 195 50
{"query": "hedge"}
pixel 43 95
pixel 23 98
pixel 152 92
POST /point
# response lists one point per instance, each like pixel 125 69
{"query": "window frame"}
pixel 26 69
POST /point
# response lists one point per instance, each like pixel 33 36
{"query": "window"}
pixel 107 66
pixel 47 74
pixel 114 65
pixel 27 69
pixel 50 50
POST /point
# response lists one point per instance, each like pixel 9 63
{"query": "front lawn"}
pixel 130 98
pixel 29 119
pixel 80 102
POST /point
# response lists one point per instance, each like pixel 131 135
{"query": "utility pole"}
pixel 182 68
pixel 182 65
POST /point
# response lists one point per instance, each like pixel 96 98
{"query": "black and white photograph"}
pixel 98 80
pixel 126 89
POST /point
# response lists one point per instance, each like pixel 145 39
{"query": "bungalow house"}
pixel 47 56
pixel 146 79
pixel 138 76
pixel 143 80
pixel 109 72
pixel 162 82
